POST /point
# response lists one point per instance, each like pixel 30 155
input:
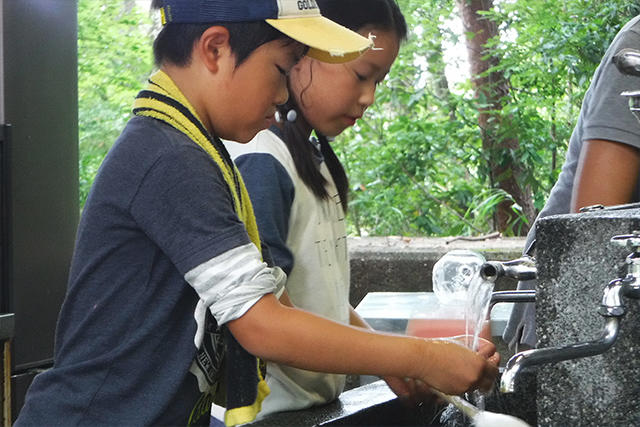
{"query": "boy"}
pixel 168 276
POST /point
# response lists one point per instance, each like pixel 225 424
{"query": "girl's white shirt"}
pixel 319 279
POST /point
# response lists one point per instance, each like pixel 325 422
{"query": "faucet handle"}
pixel 630 241
pixel 628 61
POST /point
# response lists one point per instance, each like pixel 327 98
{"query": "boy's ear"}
pixel 213 47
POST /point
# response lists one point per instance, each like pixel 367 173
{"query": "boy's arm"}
pixel 403 387
pixel 297 338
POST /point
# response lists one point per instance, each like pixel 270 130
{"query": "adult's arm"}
pixel 607 174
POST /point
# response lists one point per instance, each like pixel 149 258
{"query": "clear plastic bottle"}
pixel 453 273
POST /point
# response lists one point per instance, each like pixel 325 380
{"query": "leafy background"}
pixel 416 162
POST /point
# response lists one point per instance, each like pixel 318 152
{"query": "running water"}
pixel 456 278
pixel 452 277
pixel 482 418
pixel 476 317
pixel 477 309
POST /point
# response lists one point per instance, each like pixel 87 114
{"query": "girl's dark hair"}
pixel 354 14
pixel 174 43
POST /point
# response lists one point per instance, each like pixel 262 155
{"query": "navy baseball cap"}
pixel 299 19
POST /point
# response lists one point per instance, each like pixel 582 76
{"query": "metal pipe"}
pixel 511 296
pixel 541 356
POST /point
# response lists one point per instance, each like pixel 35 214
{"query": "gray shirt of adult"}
pixel 604 115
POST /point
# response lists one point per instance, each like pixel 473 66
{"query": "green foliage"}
pixel 114 58
pixel 415 161
pixel 550 61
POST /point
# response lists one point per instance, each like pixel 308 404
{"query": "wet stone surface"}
pixel 370 405
pixel 520 404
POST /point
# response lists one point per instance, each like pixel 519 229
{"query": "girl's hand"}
pixel 412 392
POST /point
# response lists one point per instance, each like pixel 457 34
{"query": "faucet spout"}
pixel 534 357
pixel 523 268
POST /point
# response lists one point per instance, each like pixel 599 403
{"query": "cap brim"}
pixel 327 41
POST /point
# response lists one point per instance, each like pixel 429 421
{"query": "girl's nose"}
pixel 368 95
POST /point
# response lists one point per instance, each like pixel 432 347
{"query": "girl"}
pixel 299 188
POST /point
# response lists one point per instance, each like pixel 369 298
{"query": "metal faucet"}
pixel 523 268
pixel 611 308
pixel 628 62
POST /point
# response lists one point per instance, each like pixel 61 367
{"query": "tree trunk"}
pixel 436 67
pixel 491 89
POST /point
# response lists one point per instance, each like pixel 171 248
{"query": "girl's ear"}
pixel 301 74
pixel 305 61
pixel 213 47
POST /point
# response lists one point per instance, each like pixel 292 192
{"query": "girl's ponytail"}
pixel 305 155
pixel 336 169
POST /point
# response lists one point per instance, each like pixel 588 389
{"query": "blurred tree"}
pixel 491 89
pixel 114 59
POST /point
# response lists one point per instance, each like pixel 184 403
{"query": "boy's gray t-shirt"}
pixel 159 207
pixel 604 115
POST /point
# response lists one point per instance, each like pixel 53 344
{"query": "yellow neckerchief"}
pixel 163 100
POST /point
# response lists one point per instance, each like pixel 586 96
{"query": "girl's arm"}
pixel 297 338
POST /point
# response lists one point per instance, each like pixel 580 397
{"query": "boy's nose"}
pixel 282 95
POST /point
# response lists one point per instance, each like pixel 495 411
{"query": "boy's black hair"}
pixel 174 43
pixel 355 15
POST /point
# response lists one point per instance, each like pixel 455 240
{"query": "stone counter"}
pixel 575 262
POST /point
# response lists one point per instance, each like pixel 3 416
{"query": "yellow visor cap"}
pixel 327 41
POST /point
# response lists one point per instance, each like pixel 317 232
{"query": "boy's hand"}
pixel 488 350
pixel 453 369
pixel 485 347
